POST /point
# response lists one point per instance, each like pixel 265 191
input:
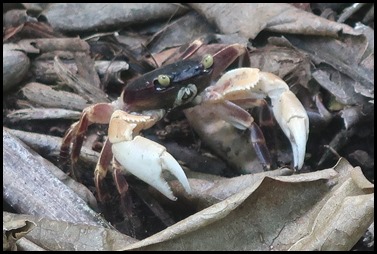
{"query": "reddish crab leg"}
pixel 265 115
pixel 101 171
pixel 101 168
pixel 98 113
pixel 119 179
pixel 187 53
pixel 226 56
pixel 66 143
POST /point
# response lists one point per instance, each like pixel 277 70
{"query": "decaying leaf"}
pixel 59 235
pixel 279 213
pixel 249 19
pixel 44 96
pixel 43 113
pixel 207 190
pixel 286 62
pixel 180 32
pixel 65 17
pixel 13 230
pixel 344 215
pixel 344 56
pixel 339 85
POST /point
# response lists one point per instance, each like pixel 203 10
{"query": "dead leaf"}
pixel 44 96
pixel 279 213
pixel 283 61
pixel 207 190
pixel 64 236
pixel 249 19
pixel 102 16
pixel 13 230
pixel 81 85
pixel 341 86
pixel 356 114
pixel 344 56
pixel 43 113
pixel 184 30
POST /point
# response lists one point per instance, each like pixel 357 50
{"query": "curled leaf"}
pixel 311 211
pixel 249 19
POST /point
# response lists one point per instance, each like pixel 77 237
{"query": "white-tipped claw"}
pixel 170 164
pixel 146 159
pixel 294 121
pixel 298 138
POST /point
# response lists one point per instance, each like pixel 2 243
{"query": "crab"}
pixel 184 84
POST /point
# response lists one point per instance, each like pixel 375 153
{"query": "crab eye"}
pixel 207 61
pixel 163 80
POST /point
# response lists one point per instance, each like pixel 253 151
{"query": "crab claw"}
pixel 247 85
pixel 294 121
pixel 146 160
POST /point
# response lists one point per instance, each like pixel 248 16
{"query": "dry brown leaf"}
pixel 14 230
pixel 279 213
pixel 249 19
pixel 344 216
pixel 347 78
pixel 282 60
pixel 81 85
pixel 341 86
pixel 43 113
pixel 44 96
pixel 207 190
pixel 64 236
pixel 184 30
pixel 102 16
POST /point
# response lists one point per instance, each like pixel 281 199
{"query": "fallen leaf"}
pixel 102 16
pixel 279 213
pixel 13 230
pixel 249 19
pixel 60 235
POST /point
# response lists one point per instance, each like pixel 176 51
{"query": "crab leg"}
pixel 140 156
pixel 250 83
pixel 265 115
pixel 100 172
pixel 225 57
pixel 241 119
pixel 101 168
pixel 98 113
